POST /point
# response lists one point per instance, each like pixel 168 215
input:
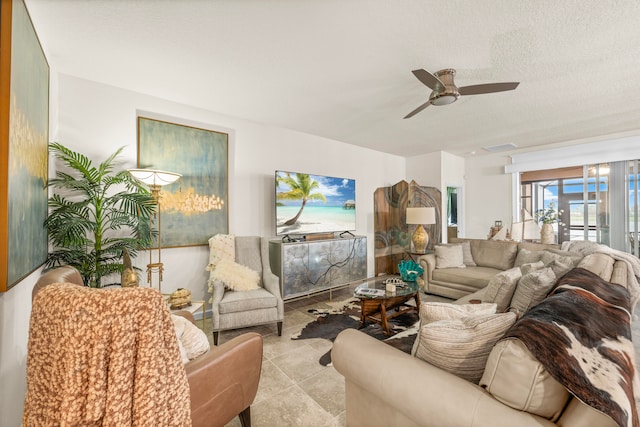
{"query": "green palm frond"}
pixel 89 224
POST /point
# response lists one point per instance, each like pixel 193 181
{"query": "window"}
pixel 598 202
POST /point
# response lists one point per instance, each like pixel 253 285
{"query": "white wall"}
pixel 426 169
pixel 440 170
pixel 15 309
pixel 488 194
pixel 96 119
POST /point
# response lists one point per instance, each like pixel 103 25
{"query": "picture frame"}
pixel 24 135
pixel 196 207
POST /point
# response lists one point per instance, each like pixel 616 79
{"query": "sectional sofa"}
pixel 486 259
pixel 385 386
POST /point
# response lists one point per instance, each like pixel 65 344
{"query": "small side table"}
pixel 415 255
pixel 193 308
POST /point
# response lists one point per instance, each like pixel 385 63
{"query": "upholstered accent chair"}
pixel 241 309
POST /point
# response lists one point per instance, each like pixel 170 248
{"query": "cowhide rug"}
pixel 330 322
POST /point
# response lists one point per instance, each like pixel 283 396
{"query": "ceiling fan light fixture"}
pixel 444 99
pixel 446 92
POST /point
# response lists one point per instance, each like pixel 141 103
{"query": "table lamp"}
pixel 421 216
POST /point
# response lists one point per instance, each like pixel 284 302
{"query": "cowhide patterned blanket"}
pixel 581 333
pixel 99 357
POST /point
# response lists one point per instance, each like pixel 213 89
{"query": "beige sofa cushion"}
pixel 501 288
pixel 514 377
pixel 449 256
pixel 600 264
pixel 532 288
pixel 462 346
pixel 494 254
pixel 476 277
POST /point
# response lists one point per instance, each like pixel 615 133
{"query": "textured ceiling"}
pixel 342 68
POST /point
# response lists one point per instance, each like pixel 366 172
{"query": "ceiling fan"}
pixel 446 92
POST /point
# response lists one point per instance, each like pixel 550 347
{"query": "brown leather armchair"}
pixel 223 382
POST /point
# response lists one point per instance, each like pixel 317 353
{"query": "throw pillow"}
pixel 525 256
pixel 501 288
pixel 514 377
pixel 575 256
pixel 532 288
pixel 560 266
pixel 236 277
pixel 598 263
pixel 449 257
pixel 221 247
pixel 532 266
pixel 466 252
pixel 192 340
pixel 434 311
pixel 462 346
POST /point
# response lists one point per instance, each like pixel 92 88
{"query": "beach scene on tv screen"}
pixel 307 204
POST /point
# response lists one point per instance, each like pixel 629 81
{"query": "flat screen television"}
pixel 308 204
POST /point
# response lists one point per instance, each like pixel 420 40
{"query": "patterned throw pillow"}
pixel 501 288
pixel 532 266
pixel 221 247
pixel 462 346
pixel 467 257
pixel 434 311
pixel 532 288
pixel 525 256
pixel 449 257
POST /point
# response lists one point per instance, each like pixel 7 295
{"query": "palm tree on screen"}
pixel 301 187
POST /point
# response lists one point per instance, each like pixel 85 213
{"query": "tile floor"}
pixel 295 390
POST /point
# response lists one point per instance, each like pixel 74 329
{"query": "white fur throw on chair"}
pixel 236 277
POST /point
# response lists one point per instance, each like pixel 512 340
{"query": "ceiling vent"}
pixel 502 147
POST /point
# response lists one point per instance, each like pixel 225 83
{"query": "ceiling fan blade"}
pixel 417 110
pixel 487 88
pixel 428 79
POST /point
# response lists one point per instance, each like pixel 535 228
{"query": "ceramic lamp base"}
pixel 420 239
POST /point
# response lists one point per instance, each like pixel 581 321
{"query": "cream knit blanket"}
pixel 104 358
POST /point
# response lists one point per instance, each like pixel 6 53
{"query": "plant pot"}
pixel 547 235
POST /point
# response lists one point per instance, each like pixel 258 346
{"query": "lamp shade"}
pixel 153 177
pixel 421 215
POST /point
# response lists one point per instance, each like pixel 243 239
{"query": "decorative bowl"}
pixel 410 270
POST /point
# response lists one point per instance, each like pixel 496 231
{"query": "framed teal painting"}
pixel 196 207
pixel 24 134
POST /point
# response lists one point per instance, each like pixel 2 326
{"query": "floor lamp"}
pixel 155 180
pixel 421 216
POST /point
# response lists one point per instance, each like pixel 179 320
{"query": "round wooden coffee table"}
pixel 379 305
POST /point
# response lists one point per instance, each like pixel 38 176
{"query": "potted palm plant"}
pixel 95 213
